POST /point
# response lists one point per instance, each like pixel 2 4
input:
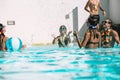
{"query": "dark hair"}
pixel 110 21
pixel 62 27
pixel 1 25
pixel 93 21
pixel 103 23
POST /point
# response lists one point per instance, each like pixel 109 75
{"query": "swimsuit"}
pixel 106 38
pixel 94 17
pixel 63 41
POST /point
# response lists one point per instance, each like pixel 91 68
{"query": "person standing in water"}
pixel 92 38
pixel 63 39
pixel 109 36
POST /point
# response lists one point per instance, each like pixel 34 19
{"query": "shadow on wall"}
pixel 75 18
pixel 117 28
pixel 75 21
pixel 83 29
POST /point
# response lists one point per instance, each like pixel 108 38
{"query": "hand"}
pixel 91 13
pixel 69 32
pixel 75 33
pixel 104 13
pixel 53 35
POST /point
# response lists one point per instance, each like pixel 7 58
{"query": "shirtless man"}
pixel 93 7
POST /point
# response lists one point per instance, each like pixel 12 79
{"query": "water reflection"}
pixel 61 64
pixel 2 54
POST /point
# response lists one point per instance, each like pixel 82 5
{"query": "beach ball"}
pixel 14 44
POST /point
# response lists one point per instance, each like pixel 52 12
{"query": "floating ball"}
pixel 14 44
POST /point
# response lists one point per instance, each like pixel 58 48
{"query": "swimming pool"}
pixel 53 63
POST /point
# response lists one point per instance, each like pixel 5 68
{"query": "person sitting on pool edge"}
pixel 92 38
pixel 109 36
pixel 63 39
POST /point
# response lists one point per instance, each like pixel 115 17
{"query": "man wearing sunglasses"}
pixel 63 39
pixel 109 36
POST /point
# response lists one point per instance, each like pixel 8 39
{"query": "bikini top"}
pixel 93 34
pixel 63 41
pixel 106 36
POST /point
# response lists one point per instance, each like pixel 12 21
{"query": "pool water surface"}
pixel 53 63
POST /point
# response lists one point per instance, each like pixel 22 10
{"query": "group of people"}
pixel 96 36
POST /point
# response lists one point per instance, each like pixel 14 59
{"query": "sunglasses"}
pixel 107 22
pixel 63 28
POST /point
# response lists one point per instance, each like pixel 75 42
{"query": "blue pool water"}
pixel 53 63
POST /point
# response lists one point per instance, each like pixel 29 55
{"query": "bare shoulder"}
pixel 55 40
pixel 5 39
pixel 114 32
pixel 89 0
pixel 87 34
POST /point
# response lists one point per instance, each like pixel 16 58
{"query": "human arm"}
pixel 116 37
pixel 87 7
pixel 55 40
pixel 68 36
pixel 4 48
pixel 99 37
pixel 78 40
pixel 23 46
pixel 101 8
pixel 85 40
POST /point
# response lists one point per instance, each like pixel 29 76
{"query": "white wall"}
pixel 115 11
pixel 37 20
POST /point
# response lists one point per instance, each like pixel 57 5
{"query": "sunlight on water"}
pixel 53 63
